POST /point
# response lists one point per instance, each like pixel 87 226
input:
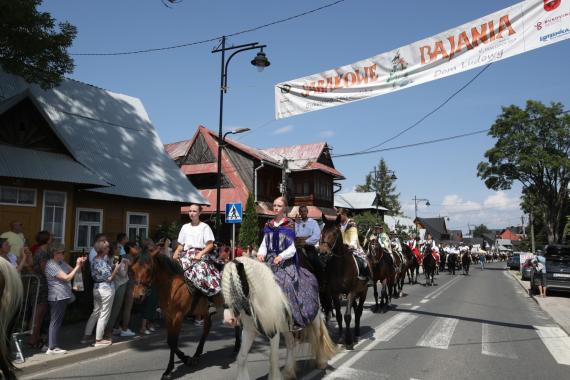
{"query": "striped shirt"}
pixel 57 289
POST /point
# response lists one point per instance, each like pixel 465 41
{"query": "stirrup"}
pixel 212 309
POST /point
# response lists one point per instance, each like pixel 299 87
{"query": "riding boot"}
pixel 211 307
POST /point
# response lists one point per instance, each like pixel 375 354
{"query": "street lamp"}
pixel 416 200
pixel 261 62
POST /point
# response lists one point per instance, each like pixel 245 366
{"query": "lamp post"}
pixel 261 62
pixel 416 200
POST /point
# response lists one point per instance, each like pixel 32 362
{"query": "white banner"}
pixel 525 26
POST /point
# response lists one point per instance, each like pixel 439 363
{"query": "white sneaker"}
pixel 117 331
pixel 45 348
pixel 127 333
pixel 56 351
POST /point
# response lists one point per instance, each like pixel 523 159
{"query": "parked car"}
pixel 514 262
pixel 527 270
pixel 557 259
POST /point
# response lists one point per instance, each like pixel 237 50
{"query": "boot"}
pixel 211 307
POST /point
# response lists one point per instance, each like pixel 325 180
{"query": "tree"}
pixel 249 230
pixel 31 46
pixel 381 182
pixel 533 148
pixel 365 223
pixel 480 230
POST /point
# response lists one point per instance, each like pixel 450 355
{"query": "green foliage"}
pixel 249 231
pixel 31 45
pixel 167 230
pixel 533 148
pixel 480 230
pixel 366 221
pixel 403 233
pixel 382 183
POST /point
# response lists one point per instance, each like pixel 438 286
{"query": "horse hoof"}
pixel 349 347
pixel 166 377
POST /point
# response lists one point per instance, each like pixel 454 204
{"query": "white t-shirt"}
pixel 195 236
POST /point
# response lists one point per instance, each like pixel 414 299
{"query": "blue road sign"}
pixel 233 213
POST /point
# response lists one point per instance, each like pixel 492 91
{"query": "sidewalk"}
pixel 69 339
pixel 558 308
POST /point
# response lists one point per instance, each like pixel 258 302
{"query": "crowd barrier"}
pixel 26 319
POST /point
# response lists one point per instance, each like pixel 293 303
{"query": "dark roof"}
pixel 472 241
pixel 489 237
pixel 434 226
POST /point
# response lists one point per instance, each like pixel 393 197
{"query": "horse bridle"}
pixel 147 285
pixel 322 241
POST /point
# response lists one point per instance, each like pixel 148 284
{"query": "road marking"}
pixel 495 341
pixel 351 374
pixel 424 300
pixel 556 341
pixel 415 307
pixel 389 329
pixel 443 287
pixel 439 334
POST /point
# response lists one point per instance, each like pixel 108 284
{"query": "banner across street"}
pixel 523 27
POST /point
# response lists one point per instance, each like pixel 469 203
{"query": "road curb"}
pixel 75 356
pixel 553 317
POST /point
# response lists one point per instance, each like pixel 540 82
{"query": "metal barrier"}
pixel 26 319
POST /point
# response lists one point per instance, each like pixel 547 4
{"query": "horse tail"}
pixel 322 346
pixel 249 286
pixel 11 294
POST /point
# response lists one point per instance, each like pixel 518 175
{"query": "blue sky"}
pixel 180 87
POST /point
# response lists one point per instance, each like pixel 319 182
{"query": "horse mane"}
pixel 11 296
pixel 171 266
pixel 247 283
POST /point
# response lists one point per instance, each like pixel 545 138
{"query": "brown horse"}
pixel 176 301
pixel 382 272
pixel 341 276
pixel 402 264
pixel 413 267
pixel 11 296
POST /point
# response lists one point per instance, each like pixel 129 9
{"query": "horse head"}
pixel 330 242
pixel 142 273
pixel 375 251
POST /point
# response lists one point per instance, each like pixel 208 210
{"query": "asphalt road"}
pixel 466 327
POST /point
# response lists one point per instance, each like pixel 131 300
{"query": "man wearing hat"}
pixel 384 241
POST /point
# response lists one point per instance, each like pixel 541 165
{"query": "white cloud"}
pixel 283 130
pixel 501 200
pixel 327 133
pixel 453 203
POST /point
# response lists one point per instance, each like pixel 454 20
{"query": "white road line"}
pixel 415 307
pixel 556 341
pixel 389 329
pixel 443 287
pixel 351 374
pixel 439 334
pixel 424 300
pixel 496 341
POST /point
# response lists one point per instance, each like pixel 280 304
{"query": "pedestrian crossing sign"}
pixel 233 213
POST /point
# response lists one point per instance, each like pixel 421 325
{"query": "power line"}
pixel 411 145
pixel 432 111
pixel 172 47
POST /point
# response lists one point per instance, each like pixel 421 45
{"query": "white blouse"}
pixel 286 254
pixel 195 236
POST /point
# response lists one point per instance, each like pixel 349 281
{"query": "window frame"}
pixel 64 217
pixel 137 226
pixel 77 223
pixel 18 204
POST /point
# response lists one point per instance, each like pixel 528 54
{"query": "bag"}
pixel 78 285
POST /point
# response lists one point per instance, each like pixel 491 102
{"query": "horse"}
pixel 465 262
pixel 11 296
pixel 255 299
pixel 413 267
pixel 401 263
pixel 177 299
pixel 342 278
pixel 382 272
pixel 429 265
pixel 451 263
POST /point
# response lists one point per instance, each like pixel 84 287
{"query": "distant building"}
pixel 511 233
pixel 456 235
pixel 434 226
pixel 77 160
pixel 359 203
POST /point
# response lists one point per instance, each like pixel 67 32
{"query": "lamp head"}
pixel 260 61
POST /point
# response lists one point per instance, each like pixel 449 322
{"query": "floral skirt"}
pixel 300 287
pixel 202 274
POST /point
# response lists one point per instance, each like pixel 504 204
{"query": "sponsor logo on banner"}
pixel 551 21
pixel 555 35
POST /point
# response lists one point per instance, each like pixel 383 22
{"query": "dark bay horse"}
pixel 176 301
pixel 413 267
pixel 451 263
pixel 429 265
pixel 341 278
pixel 465 262
pixel 382 272
pixel 402 264
pixel 11 296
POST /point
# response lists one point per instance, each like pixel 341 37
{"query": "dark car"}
pixel 527 270
pixel 514 262
pixel 557 259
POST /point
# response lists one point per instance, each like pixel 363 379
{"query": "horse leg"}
pixel 358 314
pixel 338 315
pixel 247 337
pixel 376 296
pixel 348 339
pixel 173 329
pixel 289 370
pixel 237 344
pixel 274 372
pixel 205 332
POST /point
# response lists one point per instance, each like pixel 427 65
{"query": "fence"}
pixel 27 317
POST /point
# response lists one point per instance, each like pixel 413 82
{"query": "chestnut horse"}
pixel 413 267
pixel 382 272
pixel 341 277
pixel 176 301
pixel 11 295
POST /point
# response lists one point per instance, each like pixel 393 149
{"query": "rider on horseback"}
pixel 350 238
pixel 384 241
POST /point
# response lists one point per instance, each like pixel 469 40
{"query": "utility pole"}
pixel 284 175
pixel 531 233
pixel 522 224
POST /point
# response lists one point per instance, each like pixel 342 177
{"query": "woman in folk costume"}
pixel 350 237
pixel 195 252
pixel 278 250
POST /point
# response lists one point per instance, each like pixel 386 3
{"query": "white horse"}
pixel 11 292
pixel 254 298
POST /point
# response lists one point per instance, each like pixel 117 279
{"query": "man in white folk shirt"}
pixel 307 236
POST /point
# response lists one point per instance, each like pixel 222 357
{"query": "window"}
pixel 54 214
pixel 88 223
pixel 137 225
pixel 17 196
pixel 302 188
